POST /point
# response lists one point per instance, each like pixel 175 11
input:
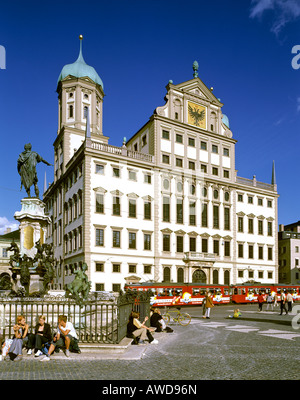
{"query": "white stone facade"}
pixel 168 205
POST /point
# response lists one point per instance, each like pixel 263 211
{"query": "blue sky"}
pixel 244 50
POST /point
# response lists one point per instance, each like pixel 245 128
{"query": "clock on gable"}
pixel 196 115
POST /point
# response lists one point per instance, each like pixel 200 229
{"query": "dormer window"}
pixel 86 96
pixel 70 95
pixel 71 111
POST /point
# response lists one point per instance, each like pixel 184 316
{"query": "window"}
pixel 216 247
pixel 99 287
pixel 193 243
pixel 144 140
pixel 132 268
pixel 117 239
pixel 192 213
pixel 227 218
pixel 270 275
pixel 147 241
pixel 251 274
pixel 71 111
pixel 240 224
pixel 225 152
pixel 99 237
pixel 191 142
pixel 204 215
pixel 270 253
pixel 116 172
pixel 179 211
pixel 116 287
pixel 250 251
pixel 99 203
pixel 215 171
pixel 179 162
pixel 147 269
pixel 165 134
pixel 240 250
pixel 203 146
pixel 132 208
pixel 166 242
pixel 99 169
pixel 147 210
pixel 192 165
pixel 227 248
pixel 214 149
pixel 165 159
pixel 179 244
pixel 241 274
pixel 179 138
pixel 260 201
pixel 270 229
pixel 226 196
pixel 99 267
pixel 260 252
pixel 116 206
pixel 147 178
pixel 176 115
pixel 240 198
pixel 166 209
pixel 260 274
pixel 204 168
pixel 260 227
pixel 250 200
pixel 132 240
pixel 216 217
pixel 226 173
pixel 250 225
pixel 270 203
pixel 132 176
pixel 204 245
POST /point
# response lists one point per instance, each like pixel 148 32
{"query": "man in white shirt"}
pixel 65 333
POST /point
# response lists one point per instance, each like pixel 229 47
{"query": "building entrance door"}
pixel 199 276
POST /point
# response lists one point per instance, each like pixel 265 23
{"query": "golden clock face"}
pixel 196 115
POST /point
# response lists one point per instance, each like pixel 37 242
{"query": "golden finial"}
pixel 80 37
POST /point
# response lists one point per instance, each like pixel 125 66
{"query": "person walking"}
pixel 269 301
pixel 208 304
pixel 260 299
pixel 282 303
pixel 274 294
pixel 204 306
pixel 289 300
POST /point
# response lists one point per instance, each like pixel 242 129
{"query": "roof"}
pixel 80 69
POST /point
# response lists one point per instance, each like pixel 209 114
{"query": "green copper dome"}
pixel 80 69
pixel 225 120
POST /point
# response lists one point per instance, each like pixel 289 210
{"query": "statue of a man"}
pixel 27 168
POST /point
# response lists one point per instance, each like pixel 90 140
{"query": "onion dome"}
pixel 80 69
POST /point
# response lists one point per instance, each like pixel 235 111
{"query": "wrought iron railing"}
pixel 97 320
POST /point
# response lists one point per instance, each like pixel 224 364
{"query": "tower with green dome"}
pixel 80 90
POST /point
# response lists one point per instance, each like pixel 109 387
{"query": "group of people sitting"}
pixel 41 342
pixel 140 332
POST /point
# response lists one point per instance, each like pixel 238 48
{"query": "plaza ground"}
pixel 259 346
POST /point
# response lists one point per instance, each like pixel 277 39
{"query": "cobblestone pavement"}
pixel 218 349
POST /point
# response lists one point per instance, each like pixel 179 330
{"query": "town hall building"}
pixel 167 205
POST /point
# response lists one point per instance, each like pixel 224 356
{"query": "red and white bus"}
pixel 167 294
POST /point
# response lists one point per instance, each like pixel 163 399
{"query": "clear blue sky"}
pixel 244 50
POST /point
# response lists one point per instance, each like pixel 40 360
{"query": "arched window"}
pixel 215 276
pixel 167 274
pixel 71 111
pixel 226 278
pixel 180 275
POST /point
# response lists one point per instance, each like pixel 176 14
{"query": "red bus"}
pixel 248 292
pixel 167 294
